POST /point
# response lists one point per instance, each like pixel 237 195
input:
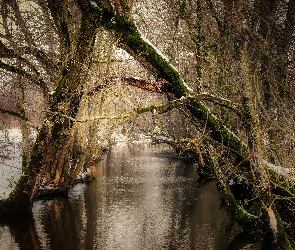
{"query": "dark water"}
pixel 143 198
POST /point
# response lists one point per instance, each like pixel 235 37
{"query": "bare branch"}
pixel 22 72
pixel 237 109
pixel 47 63
pixel 13 113
pixel 18 115
pixel 159 108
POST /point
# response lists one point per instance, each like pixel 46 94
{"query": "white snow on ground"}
pixel 11 157
pixel 118 138
pixel 279 169
pixel 10 160
pixel 94 4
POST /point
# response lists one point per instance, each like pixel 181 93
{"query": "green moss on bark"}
pixel 218 131
pixel 282 241
pixel 131 38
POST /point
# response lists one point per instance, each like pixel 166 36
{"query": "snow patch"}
pixel 278 169
pixel 10 160
pixel 77 191
pixel 93 4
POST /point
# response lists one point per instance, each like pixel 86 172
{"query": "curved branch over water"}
pixel 144 51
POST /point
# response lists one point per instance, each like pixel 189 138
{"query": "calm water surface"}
pixel 142 198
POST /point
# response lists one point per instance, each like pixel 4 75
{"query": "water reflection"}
pixel 142 198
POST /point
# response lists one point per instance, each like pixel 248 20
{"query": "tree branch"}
pixel 22 72
pixel 142 50
pixel 56 8
pixel 17 50
pixel 150 57
pixel 33 49
pixel 18 115
pixel 237 109
pixel 13 113
pixel 5 52
pixel 159 108
pixel 159 86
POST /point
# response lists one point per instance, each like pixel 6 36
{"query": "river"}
pixel 143 197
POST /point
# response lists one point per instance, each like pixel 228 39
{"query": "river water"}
pixel 143 197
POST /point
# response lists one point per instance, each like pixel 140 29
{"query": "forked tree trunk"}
pixel 51 143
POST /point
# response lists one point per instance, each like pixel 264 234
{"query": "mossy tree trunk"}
pixel 47 156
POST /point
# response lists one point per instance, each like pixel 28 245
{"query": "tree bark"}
pixel 53 135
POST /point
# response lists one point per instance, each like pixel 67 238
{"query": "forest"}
pixel 215 80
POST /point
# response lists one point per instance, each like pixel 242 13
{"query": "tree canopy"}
pixel 221 72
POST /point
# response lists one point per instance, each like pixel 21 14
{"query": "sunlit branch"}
pixel 159 108
pixel 159 86
pixel 237 109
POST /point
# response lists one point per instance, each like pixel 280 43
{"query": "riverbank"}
pixel 143 197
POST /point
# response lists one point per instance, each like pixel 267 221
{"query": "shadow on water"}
pixel 142 198
pixel 18 232
pixel 243 240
